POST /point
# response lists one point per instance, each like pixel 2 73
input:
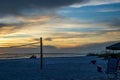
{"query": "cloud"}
pixel 13 26
pixel 6 30
pixel 95 2
pixel 3 25
pixel 111 24
pixel 48 39
pixel 76 35
pixel 44 6
pixel 14 7
pixel 108 10
pixel 18 23
pixel 18 36
pixel 115 23
pixel 93 47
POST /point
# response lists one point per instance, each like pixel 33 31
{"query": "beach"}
pixel 54 68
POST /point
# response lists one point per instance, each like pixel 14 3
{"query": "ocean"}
pixel 28 55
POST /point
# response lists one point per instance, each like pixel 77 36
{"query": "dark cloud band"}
pixel 14 6
pixel 3 25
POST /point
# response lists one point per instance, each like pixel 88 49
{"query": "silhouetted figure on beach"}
pixel 93 61
pixel 33 57
pixel 99 69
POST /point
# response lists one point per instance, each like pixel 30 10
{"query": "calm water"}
pixel 14 56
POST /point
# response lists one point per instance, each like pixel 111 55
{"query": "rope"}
pixel 25 44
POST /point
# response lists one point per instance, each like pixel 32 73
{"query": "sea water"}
pixel 28 55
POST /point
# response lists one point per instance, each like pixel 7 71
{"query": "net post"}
pixel 41 53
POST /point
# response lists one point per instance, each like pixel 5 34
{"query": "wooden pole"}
pixel 41 54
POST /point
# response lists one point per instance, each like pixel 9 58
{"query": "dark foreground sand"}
pixel 64 68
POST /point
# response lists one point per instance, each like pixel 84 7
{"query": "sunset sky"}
pixel 63 24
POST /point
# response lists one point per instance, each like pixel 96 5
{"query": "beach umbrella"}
pixel 115 46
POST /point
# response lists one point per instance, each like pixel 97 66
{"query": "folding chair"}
pixel 118 70
pixel 112 68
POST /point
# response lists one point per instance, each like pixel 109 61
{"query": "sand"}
pixel 54 68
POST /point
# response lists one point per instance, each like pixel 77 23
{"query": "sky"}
pixel 66 26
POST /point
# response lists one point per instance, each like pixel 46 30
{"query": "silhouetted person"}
pixel 99 69
pixel 33 57
pixel 93 61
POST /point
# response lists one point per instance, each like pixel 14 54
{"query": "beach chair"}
pixel 112 69
pixel 118 70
